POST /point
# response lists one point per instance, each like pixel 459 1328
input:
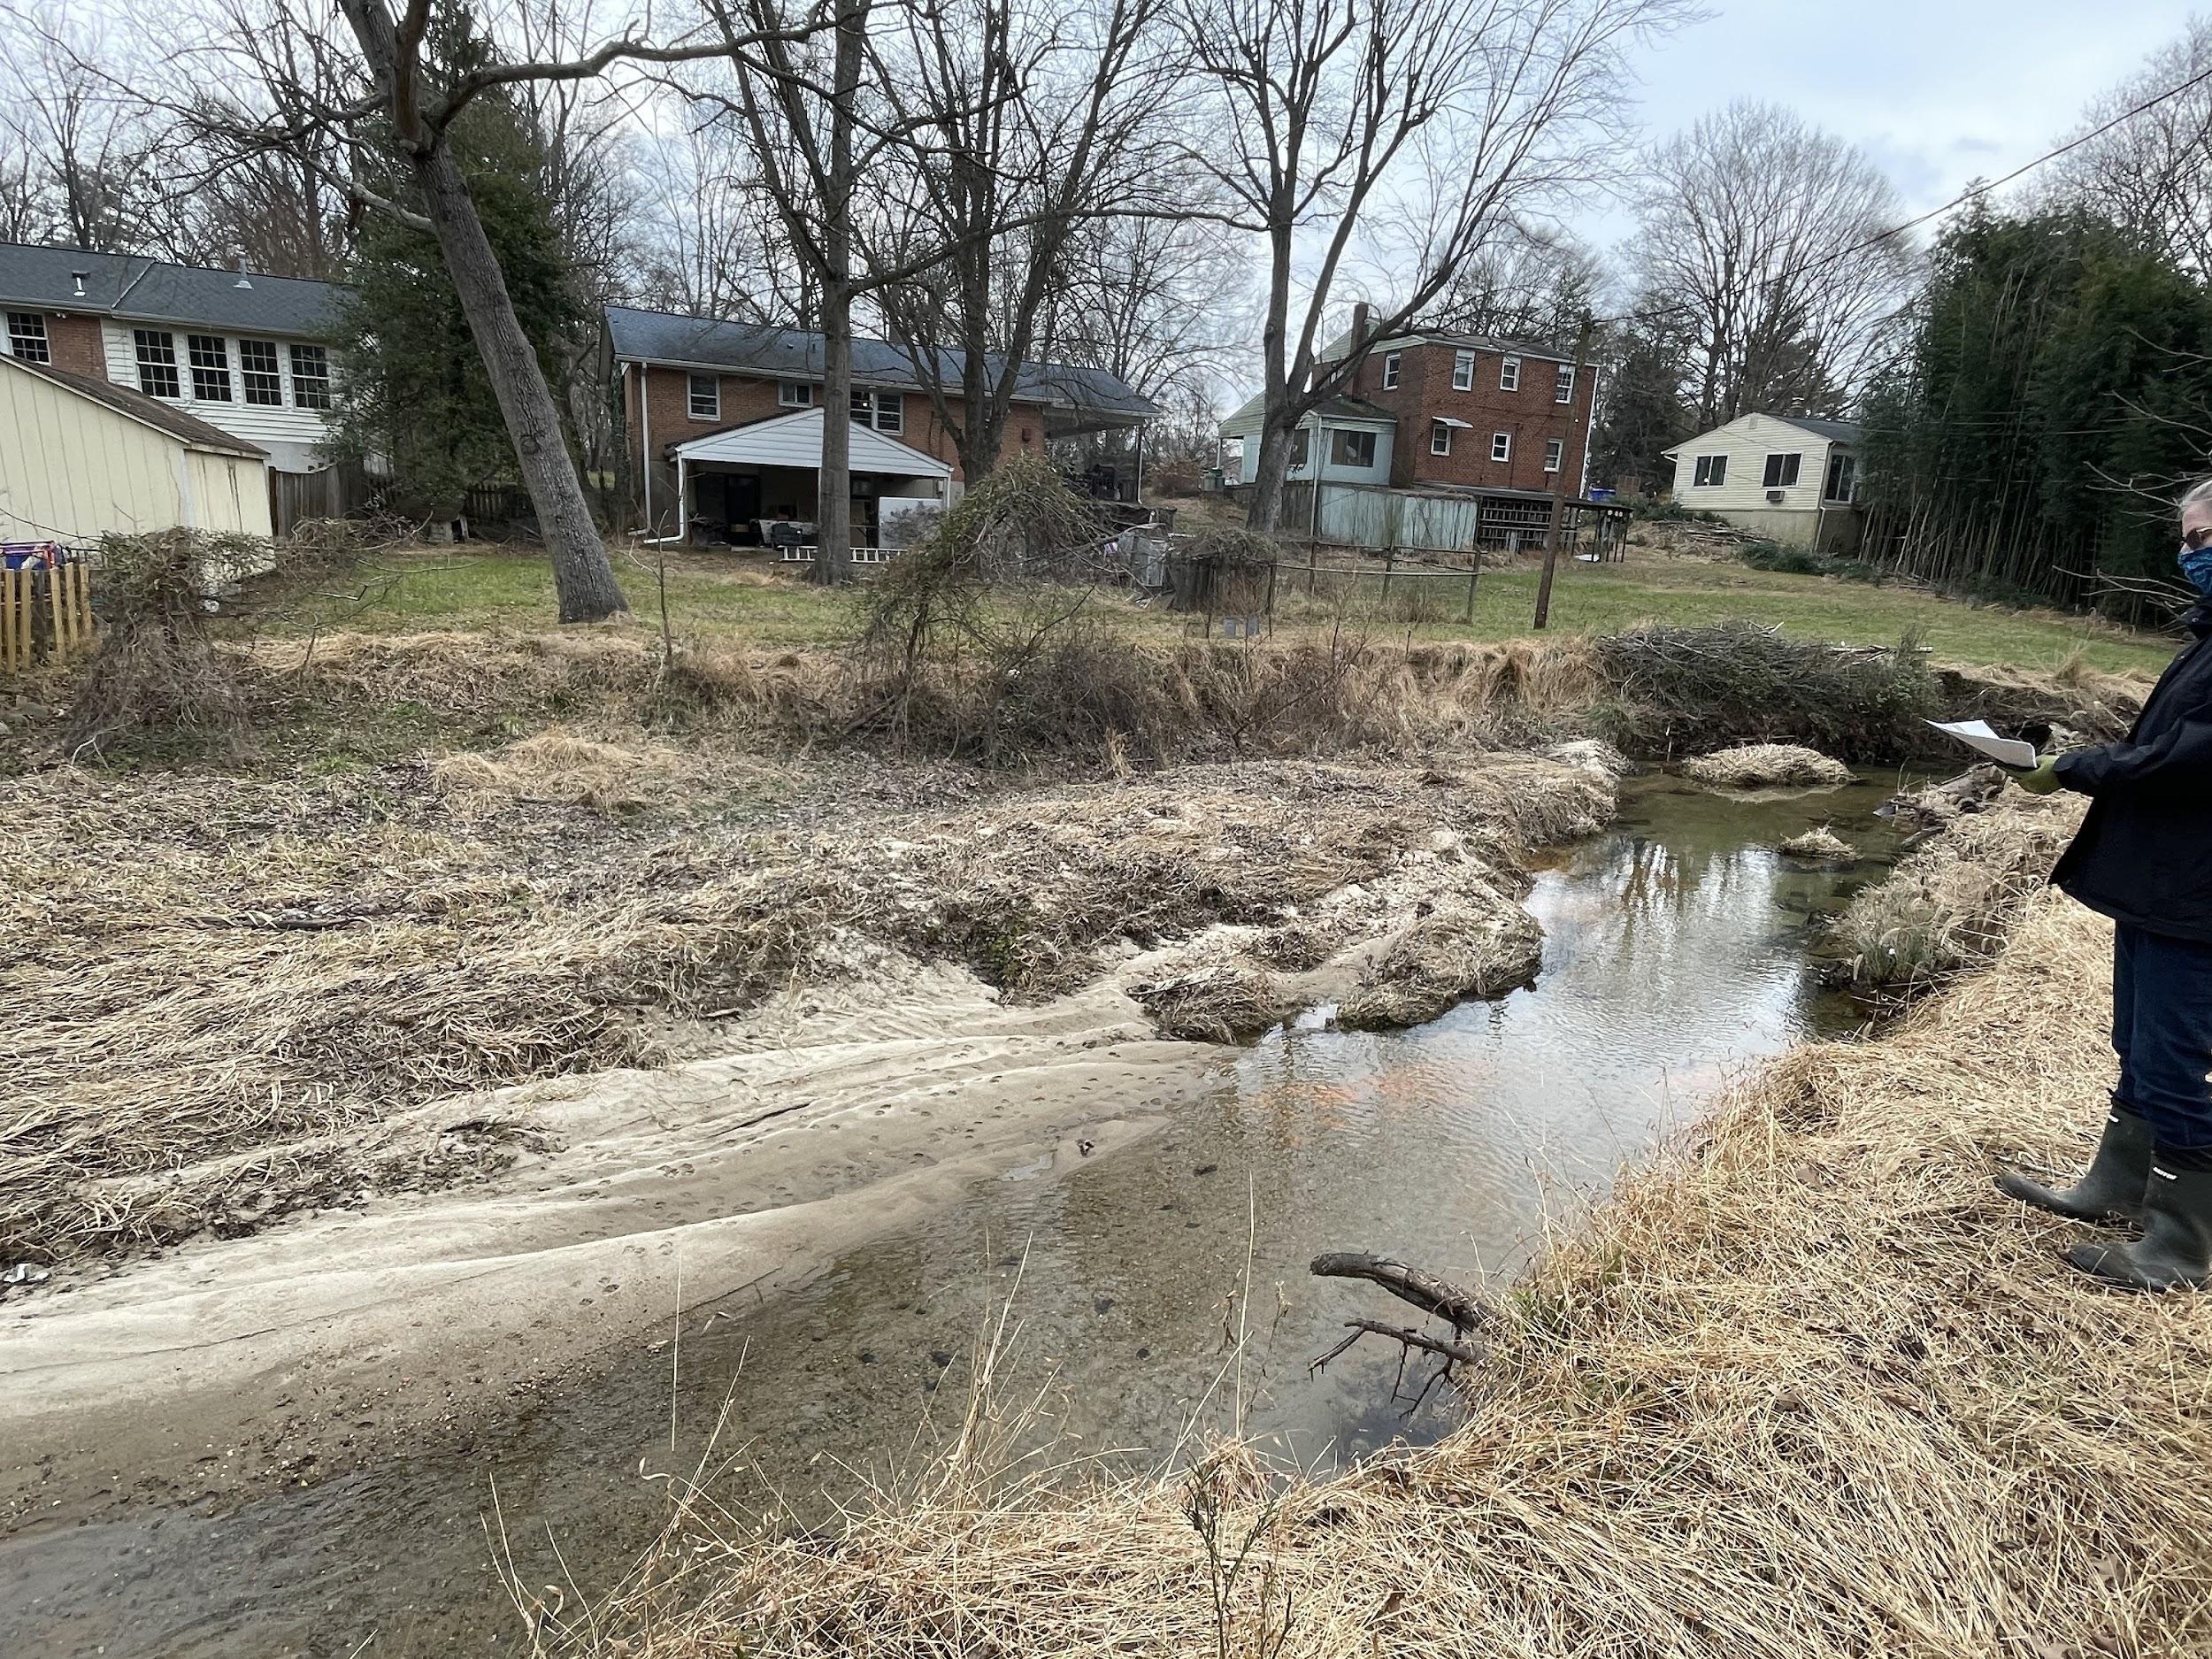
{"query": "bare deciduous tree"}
pixel 2151 174
pixel 1441 122
pixel 86 148
pixel 1533 284
pixel 1764 239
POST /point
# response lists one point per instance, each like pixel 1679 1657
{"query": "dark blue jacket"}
pixel 2144 855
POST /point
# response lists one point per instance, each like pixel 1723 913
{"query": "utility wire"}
pixel 1970 193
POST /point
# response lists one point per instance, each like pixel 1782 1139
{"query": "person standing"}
pixel 2143 856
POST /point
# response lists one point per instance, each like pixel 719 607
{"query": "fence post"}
pixel 1390 557
pixel 1474 569
pixel 1313 560
pixel 1270 597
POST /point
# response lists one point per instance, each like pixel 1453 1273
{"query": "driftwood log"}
pixel 1459 1308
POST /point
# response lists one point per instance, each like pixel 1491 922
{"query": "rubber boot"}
pixel 2175 1252
pixel 2114 1184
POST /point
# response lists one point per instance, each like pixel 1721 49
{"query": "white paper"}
pixel 2006 751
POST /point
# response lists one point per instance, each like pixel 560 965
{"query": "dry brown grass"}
pixel 1767 766
pixel 1477 943
pixel 1810 1389
pixel 562 766
pixel 1952 903
pixel 1820 844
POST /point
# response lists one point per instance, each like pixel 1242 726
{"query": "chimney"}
pixel 77 279
pixel 1359 323
pixel 244 281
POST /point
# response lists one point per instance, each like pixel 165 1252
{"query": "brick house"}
pixel 721 425
pixel 1497 422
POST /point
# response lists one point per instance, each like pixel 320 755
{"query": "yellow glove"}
pixel 2043 779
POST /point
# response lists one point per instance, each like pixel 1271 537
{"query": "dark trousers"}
pixel 2162 1028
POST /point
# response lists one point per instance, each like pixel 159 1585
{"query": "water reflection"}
pixel 1675 952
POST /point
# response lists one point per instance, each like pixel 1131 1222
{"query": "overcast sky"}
pixel 1936 92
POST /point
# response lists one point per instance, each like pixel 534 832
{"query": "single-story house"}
pixel 1345 441
pixel 81 458
pixel 722 426
pixel 1791 478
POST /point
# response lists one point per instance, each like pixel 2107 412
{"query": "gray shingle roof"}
pixel 152 410
pixel 1248 412
pixel 1834 431
pixel 150 290
pixel 795 354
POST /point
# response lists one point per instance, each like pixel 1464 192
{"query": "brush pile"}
pixel 1810 1389
pixel 1767 766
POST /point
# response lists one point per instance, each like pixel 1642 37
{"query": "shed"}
pixel 1794 478
pixel 80 458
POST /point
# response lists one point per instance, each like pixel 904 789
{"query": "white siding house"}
pixel 1794 478
pixel 274 391
pixel 1346 441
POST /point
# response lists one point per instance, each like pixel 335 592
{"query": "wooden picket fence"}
pixel 44 615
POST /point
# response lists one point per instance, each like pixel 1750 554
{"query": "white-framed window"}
pixel 1502 446
pixel 795 393
pixel 705 399
pixel 1711 473
pixel 1440 438
pixel 209 355
pixel 1390 371
pixel 157 351
pixel 1347 448
pixel 1554 452
pixel 1510 374
pixel 886 412
pixel 311 377
pixel 1301 447
pixel 27 337
pixel 1842 480
pixel 257 369
pixel 1781 472
pixel 1463 372
pixel 1563 388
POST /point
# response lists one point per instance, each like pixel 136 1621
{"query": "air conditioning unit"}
pixel 1774 497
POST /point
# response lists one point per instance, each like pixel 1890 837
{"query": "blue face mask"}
pixel 2196 564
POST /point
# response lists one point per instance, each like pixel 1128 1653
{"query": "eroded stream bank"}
pixel 1676 945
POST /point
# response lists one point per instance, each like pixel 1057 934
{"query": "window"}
pixel 156 363
pixel 311 377
pixel 1781 472
pixel 210 367
pixel 27 337
pixel 1502 446
pixel 1510 374
pixel 1564 390
pixel 1463 372
pixel 1390 371
pixel 1439 439
pixel 1300 448
pixel 1352 449
pixel 1841 478
pixel 257 368
pixel 1712 471
pixel 706 397
pixel 795 393
pixel 886 412
pixel 1554 451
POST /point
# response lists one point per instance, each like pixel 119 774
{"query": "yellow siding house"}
pixel 79 458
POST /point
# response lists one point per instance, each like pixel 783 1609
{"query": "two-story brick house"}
pixel 247 353
pixel 1442 412
pixel 722 424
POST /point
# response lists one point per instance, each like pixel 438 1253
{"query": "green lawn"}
pixel 734 595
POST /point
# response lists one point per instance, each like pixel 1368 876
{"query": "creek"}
pixel 1679 949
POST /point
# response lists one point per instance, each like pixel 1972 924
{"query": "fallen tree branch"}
pixel 1450 1350
pixel 1462 1310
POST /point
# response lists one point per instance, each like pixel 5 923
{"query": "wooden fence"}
pixel 44 615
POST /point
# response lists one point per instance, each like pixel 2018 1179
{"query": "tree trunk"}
pixel 1266 509
pixel 581 574
pixel 833 517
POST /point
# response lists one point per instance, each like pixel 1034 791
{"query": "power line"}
pixel 1970 193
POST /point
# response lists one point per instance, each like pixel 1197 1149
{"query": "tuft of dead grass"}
pixel 1808 1389
pixel 1819 844
pixel 1477 943
pixel 1952 903
pixel 1767 766
pixel 562 766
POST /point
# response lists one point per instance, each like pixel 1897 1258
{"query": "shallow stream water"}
pixel 1678 950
